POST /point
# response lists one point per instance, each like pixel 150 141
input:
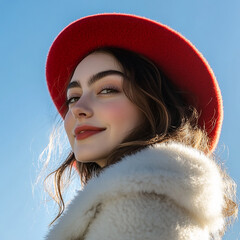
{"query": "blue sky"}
pixel 27 29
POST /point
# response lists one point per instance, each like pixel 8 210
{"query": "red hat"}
pixel 175 55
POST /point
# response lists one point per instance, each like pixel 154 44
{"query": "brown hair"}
pixel 167 117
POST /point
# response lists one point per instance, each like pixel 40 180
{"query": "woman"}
pixel 143 112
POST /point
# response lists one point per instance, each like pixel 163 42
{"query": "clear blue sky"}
pixel 27 29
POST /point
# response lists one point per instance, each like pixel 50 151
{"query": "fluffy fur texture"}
pixel 168 191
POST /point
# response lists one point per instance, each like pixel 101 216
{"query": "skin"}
pixel 101 104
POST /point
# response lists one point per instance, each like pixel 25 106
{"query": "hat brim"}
pixel 175 55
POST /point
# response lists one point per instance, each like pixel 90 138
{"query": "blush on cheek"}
pixel 116 112
pixel 120 113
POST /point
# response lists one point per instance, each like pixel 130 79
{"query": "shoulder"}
pixel 143 216
pixel 166 178
pixel 186 176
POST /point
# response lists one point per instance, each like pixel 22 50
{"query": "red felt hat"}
pixel 175 55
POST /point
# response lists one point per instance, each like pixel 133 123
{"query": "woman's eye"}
pixel 109 91
pixel 72 100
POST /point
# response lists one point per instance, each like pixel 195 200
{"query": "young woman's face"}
pixel 100 115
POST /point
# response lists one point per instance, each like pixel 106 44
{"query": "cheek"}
pixel 121 114
pixel 69 125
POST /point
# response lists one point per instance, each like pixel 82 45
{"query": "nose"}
pixel 82 108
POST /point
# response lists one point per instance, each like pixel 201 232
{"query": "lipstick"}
pixel 86 131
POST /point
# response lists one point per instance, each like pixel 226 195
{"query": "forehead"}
pixel 94 63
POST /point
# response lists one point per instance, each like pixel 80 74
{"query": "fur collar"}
pixel 183 174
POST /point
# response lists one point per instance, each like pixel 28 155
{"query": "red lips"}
pixel 86 131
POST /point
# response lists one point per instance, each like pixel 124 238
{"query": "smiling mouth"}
pixel 84 132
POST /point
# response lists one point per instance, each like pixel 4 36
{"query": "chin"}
pixel 100 160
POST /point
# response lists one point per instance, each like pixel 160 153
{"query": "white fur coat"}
pixel 165 192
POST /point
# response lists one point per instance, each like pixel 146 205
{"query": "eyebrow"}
pixel 95 78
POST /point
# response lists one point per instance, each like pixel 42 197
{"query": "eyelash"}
pixel 69 101
pixel 113 90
